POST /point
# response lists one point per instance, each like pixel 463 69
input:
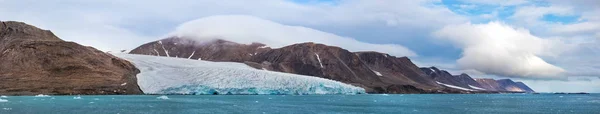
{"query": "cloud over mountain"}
pixel 496 48
pixel 249 29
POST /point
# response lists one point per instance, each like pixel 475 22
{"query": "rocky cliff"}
pixel 35 61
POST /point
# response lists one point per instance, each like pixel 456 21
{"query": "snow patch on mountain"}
pixel 453 86
pixel 164 75
pixel 192 55
pixel 319 59
pixel 378 73
pixel 477 88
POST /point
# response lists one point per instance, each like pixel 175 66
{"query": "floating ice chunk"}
pixel 378 73
pixel 6 108
pixel 477 88
pixel 3 100
pixel 3 96
pixel 163 75
pixel 78 97
pixel 453 86
pixel 42 95
pixel 163 97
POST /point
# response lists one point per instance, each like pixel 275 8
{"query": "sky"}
pixel 551 45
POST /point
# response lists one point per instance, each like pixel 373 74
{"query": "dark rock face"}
pixel 466 79
pixel 35 61
pixel 376 72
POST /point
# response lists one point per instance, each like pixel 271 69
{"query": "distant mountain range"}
pixel 374 71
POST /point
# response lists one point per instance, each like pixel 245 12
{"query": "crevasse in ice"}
pixel 165 75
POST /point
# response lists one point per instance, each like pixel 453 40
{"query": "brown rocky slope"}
pixel 35 61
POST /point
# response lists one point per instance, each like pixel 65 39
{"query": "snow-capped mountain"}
pixel 164 75
pixel 35 61
pixel 376 72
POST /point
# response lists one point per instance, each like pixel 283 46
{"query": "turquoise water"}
pixel 438 104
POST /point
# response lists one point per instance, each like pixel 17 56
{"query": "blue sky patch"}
pixel 569 19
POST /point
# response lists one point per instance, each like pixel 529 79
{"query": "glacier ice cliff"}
pixel 163 75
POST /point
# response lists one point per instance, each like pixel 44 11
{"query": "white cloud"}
pixel 116 24
pixel 577 28
pixel 531 15
pixel 499 49
pixel 498 2
pixel 249 29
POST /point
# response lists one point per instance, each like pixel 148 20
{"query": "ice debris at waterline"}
pixel 42 95
pixel 163 75
pixel 3 96
pixel 163 97
pixel 78 97
pixel 3 100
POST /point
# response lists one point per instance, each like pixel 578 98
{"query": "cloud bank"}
pixel 249 29
pixel 498 49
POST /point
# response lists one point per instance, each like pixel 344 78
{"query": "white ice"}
pixel 164 75
pixel 78 97
pixel 162 97
pixel 378 73
pixel 319 58
pixel 3 96
pixel 3 100
pixel 475 87
pixel 453 86
pixel 42 95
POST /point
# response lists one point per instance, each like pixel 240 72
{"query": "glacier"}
pixel 166 75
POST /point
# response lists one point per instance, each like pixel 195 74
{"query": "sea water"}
pixel 373 103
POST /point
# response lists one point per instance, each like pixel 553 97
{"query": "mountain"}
pixel 167 75
pixel 504 85
pixel 376 72
pixel 461 82
pixel 510 85
pixel 35 61
pixel 489 84
pixel 523 86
